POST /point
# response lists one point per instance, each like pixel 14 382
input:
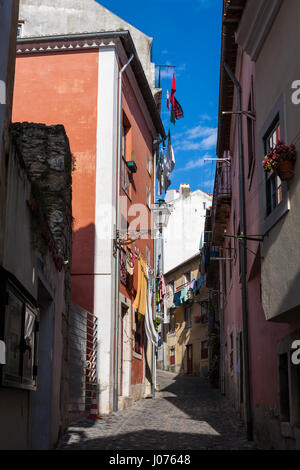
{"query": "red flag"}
pixel 173 89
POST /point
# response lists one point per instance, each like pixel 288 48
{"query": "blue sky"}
pixel 186 33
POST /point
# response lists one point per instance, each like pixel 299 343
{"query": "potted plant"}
pixel 281 159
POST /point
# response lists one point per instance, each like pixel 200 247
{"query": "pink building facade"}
pixel 255 373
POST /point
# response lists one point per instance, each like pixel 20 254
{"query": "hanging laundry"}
pixel 123 271
pixel 159 171
pixel 168 102
pixel 177 296
pixel 176 111
pixel 129 263
pixel 166 311
pixel 151 333
pixel 183 296
pixel 162 287
pixel 141 296
pixel 165 166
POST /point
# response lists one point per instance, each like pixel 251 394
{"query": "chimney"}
pixel 185 190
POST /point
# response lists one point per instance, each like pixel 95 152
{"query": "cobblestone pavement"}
pixel 186 414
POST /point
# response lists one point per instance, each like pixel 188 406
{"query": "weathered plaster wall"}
pixel 47 18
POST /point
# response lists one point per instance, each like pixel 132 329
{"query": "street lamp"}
pixel 160 212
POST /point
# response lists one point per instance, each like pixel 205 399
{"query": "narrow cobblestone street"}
pixel 186 414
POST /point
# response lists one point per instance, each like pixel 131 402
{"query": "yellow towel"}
pixel 141 296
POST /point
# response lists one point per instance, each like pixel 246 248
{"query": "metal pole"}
pixel 116 361
pixel 154 273
pixel 243 254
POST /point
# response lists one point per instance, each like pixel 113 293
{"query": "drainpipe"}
pixel 116 358
pixel 153 384
pixel 243 255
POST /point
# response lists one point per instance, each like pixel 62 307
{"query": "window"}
pixel 188 317
pixel 20 334
pixel 149 164
pixel 172 326
pixel 125 169
pixel 204 311
pixel 138 334
pixel 172 356
pixel 186 277
pixel 20 28
pixel 204 205
pixel 273 182
pixel 204 350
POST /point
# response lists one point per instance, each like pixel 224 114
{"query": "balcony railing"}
pixel 221 201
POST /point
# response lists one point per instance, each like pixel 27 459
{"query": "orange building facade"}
pixel 73 80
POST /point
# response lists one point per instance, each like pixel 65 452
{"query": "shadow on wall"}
pixel 82 286
pixel 293 293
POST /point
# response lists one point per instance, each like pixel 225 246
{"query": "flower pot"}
pixel 285 170
pixel 132 166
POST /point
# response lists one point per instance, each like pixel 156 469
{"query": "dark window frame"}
pixel 268 221
pixel 27 342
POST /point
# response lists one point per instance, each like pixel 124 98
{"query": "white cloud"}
pixel 197 138
pixel 210 141
pixel 200 131
pixel 192 164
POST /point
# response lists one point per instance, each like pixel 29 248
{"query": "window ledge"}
pixel 275 215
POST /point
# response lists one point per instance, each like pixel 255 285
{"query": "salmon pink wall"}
pixel 62 88
pixel 140 142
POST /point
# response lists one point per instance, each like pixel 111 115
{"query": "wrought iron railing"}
pixel 222 186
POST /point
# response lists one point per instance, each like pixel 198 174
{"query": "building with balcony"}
pixel 258 305
pixel 187 330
